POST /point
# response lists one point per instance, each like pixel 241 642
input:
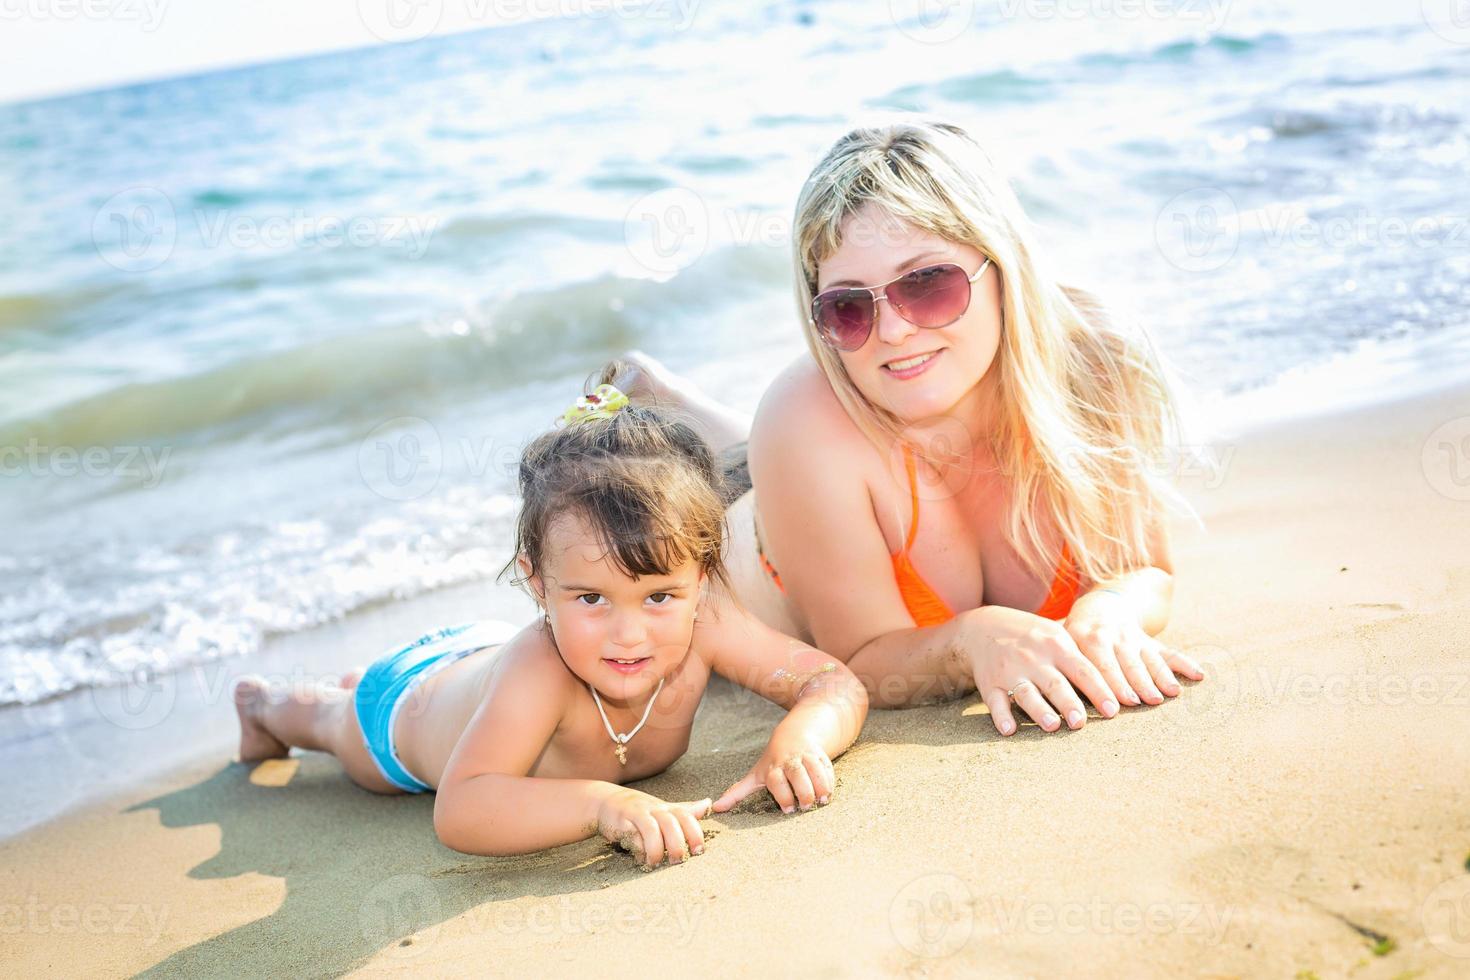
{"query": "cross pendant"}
pixel 622 752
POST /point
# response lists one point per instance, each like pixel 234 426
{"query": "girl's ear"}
pixel 538 587
pixel 703 593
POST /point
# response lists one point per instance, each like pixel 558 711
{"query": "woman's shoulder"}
pixel 803 440
pixel 800 406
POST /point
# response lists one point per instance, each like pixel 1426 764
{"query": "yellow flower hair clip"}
pixel 603 403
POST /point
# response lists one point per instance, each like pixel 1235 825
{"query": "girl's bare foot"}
pixel 351 677
pixel 255 742
pixel 645 380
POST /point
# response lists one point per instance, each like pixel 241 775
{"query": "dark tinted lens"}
pixel 935 296
pixel 844 317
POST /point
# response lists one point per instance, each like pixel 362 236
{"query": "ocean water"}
pixel 271 338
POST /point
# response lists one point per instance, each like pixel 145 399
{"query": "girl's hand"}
pixel 651 829
pixel 1037 659
pixel 1135 665
pixel 797 773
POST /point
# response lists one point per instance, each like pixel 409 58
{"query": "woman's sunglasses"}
pixel 934 296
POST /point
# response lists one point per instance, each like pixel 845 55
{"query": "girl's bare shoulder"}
pixel 721 619
pixel 726 628
pixel 528 662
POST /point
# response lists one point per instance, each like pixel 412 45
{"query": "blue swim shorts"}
pixel 392 678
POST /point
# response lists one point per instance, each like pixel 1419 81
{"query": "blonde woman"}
pixel 954 490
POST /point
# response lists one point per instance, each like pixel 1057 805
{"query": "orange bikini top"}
pixel 924 604
pixel 929 609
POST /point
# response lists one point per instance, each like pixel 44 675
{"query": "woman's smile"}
pixel 911 367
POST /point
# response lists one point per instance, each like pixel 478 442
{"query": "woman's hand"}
pixel 797 772
pixel 651 829
pixel 1037 659
pixel 1136 666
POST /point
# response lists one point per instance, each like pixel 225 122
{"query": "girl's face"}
pixel 916 373
pixel 620 634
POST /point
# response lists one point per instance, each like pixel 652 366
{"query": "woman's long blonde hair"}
pixel 1084 410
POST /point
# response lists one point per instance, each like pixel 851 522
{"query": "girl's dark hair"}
pixel 646 483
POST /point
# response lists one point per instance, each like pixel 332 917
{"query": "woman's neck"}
pixel 960 438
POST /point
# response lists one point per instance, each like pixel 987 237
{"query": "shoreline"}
pixel 135 734
pixel 1345 382
pixel 1307 797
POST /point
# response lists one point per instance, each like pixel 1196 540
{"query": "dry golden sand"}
pixel 1308 797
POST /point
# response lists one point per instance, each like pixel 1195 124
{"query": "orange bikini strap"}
pixel 908 460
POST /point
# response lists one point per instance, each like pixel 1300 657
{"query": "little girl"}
pixel 529 738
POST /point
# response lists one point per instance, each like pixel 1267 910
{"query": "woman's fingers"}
pixel 1000 711
pixel 1138 676
pixel 1083 674
pixel 1163 677
pixel 1099 649
pixel 1181 664
pixel 1028 699
pixel 1056 690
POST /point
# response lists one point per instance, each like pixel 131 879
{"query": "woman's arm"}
pixel 809 465
pixel 811 470
pixel 918 665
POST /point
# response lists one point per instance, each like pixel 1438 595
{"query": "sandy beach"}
pixel 284 299
pixel 1303 812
